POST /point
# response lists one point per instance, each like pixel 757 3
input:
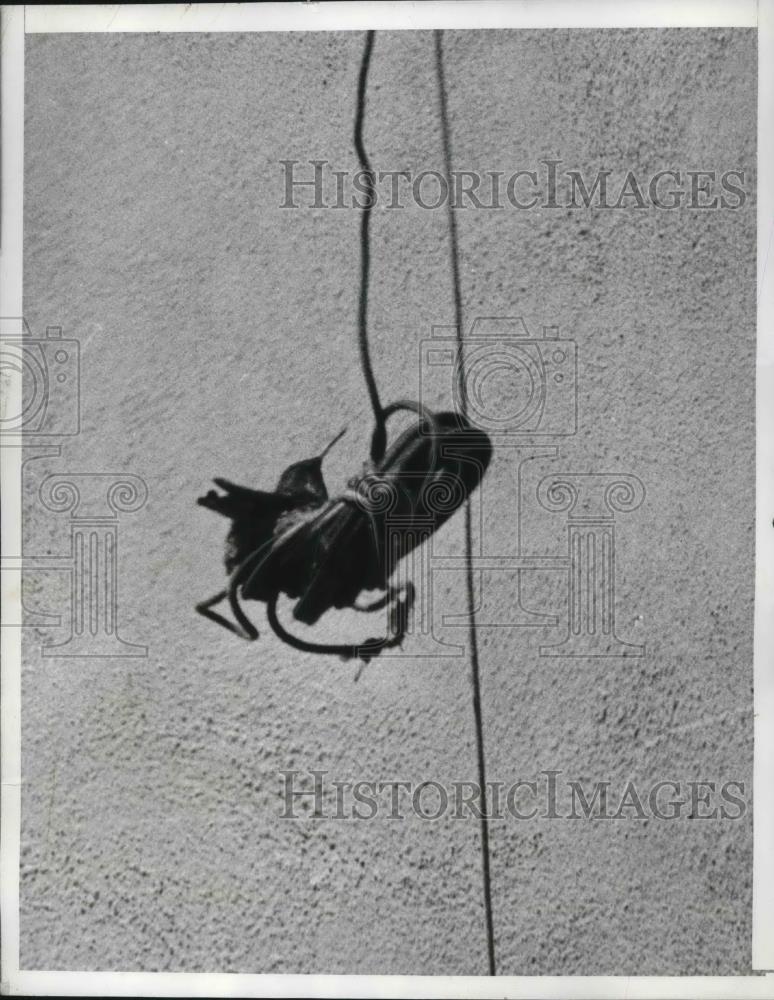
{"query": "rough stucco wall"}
pixel 217 338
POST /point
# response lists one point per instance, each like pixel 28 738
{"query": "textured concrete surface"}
pixel 217 338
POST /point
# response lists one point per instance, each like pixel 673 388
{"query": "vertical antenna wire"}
pixel 379 439
pixel 471 600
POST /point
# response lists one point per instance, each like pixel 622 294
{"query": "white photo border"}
pixel 16 21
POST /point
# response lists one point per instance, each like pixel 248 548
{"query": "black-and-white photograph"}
pixel 379 528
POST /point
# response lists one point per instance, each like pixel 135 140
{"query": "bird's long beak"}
pixel 338 437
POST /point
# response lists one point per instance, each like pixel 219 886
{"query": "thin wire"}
pixel 463 404
pixel 379 439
